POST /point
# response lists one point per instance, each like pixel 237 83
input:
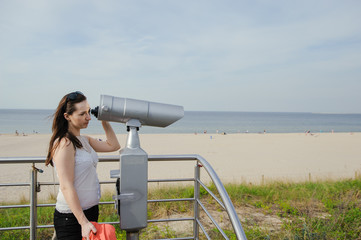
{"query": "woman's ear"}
pixel 66 116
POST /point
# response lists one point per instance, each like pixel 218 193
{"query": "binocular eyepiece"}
pixel 116 109
pixel 95 111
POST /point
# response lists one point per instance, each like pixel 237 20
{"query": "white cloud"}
pixel 206 55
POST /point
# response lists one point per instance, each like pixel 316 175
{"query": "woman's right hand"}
pixel 110 145
pixel 86 228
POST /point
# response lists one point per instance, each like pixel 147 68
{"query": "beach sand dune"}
pixel 237 158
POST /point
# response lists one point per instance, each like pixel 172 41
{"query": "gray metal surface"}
pixel 171 220
pixel 171 200
pixel 195 205
pixel 132 235
pixel 116 109
pixel 212 194
pixel 33 203
pixel 212 219
pixel 133 187
pixel 203 229
pixel 225 198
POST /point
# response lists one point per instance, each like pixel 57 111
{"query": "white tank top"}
pixel 86 181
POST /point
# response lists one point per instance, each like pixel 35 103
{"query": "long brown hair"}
pixel 60 124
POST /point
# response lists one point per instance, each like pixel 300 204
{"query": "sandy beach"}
pixel 237 158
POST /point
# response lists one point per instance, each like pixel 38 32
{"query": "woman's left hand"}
pixel 86 228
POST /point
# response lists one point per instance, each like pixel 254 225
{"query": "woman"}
pixel 75 160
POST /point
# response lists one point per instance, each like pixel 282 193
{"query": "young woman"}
pixel 75 160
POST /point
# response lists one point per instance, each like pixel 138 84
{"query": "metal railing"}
pixel 224 200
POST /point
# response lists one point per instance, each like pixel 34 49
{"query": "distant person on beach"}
pixel 75 159
pixel 309 132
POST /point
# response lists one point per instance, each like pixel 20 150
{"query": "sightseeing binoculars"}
pixel 132 175
pixel 116 109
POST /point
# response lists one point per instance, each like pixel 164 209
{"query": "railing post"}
pixel 196 198
pixel 33 203
pixel 132 236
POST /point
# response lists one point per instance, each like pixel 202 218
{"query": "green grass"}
pixel 277 210
pixel 321 210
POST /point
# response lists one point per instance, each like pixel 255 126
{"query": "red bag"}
pixel 104 232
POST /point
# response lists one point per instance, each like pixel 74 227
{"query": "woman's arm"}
pixel 110 145
pixel 64 159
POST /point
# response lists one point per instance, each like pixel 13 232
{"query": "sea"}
pixel 37 121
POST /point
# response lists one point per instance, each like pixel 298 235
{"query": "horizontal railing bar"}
pixel 170 200
pixel 42 226
pixel 172 180
pixel 43 205
pixel 56 183
pixel 45 226
pixel 107 158
pixel 106 203
pixel 213 195
pixel 22 160
pixel 14 228
pixel 112 223
pixel 170 220
pixel 108 182
pixel 184 238
pixel 185 157
pixel 154 220
pixel 48 183
pixel 203 229
pixel 14 206
pixel 212 219
pixel 102 182
pixel 41 159
pixel 46 205
pixel 53 204
pixel 100 203
pixel 15 185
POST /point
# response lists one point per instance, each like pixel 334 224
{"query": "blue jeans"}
pixel 67 227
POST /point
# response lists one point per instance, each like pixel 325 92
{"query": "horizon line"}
pixel 235 111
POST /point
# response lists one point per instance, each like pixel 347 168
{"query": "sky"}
pixel 206 55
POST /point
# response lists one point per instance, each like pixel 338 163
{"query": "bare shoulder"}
pixel 64 143
pixel 64 148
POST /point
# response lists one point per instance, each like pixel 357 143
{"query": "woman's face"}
pixel 80 117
